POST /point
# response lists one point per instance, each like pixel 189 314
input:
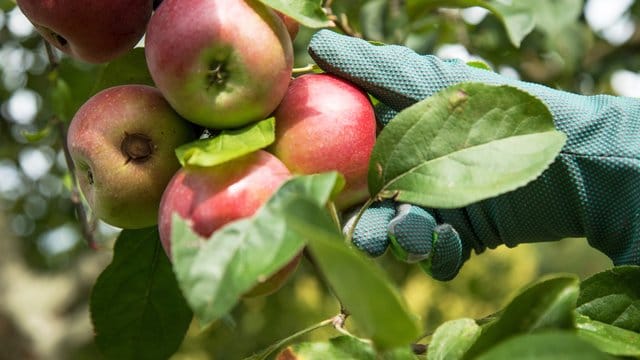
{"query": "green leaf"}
pixel 608 338
pixel 71 85
pixel 35 136
pixel 137 309
pixel 214 274
pixel 374 304
pixel 548 345
pixel 307 12
pixel 466 143
pixel 452 339
pixel 517 17
pixel 228 145
pixel 342 347
pixel 547 304
pixel 130 68
pixel 551 16
pixel 613 297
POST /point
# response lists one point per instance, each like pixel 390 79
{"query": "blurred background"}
pixel 47 270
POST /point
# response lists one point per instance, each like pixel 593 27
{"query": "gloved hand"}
pixel 591 190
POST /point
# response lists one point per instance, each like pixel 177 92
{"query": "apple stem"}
pixel 217 74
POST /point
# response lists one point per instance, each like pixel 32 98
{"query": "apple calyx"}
pixel 217 74
pixel 137 147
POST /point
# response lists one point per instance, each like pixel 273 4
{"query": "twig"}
pixel 341 21
pixel 51 55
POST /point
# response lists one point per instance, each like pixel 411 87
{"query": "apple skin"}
pixel 220 63
pixel 92 31
pixel 211 197
pixel 122 189
pixel 325 123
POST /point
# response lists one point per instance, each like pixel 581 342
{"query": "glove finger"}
pixel 370 234
pixel 446 259
pixel 411 233
pixel 393 74
pixel 384 114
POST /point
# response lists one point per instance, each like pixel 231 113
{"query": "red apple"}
pixel 122 142
pixel 211 197
pixel 220 63
pixel 93 31
pixel 325 123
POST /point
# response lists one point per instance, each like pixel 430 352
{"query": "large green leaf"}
pixel 547 304
pixel 466 143
pixel 374 304
pixel 548 345
pixel 214 274
pixel 72 83
pixel 452 339
pixel 227 145
pixel 137 309
pixel 608 338
pixel 307 12
pixel 343 347
pixel 613 297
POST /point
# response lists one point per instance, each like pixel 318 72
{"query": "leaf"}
pixel 547 345
pixel 551 16
pixel 130 68
pixel 307 12
pixel 608 338
pixel 517 17
pixel 214 274
pixel 228 145
pixel 374 304
pixel 342 347
pixel 452 339
pixel 71 85
pixel 35 136
pixel 613 297
pixel 467 143
pixel 547 304
pixel 137 309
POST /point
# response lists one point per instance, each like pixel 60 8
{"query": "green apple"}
pixel 220 63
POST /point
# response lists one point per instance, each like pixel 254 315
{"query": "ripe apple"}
pixel 325 123
pixel 220 63
pixel 122 142
pixel 93 31
pixel 211 197
pixel 290 23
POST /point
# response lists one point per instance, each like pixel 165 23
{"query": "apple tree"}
pixel 213 175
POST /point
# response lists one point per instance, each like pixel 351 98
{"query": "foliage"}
pixel 366 302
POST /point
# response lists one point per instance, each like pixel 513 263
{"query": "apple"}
pixel 211 197
pixel 93 31
pixel 325 123
pixel 122 143
pixel 290 23
pixel 220 63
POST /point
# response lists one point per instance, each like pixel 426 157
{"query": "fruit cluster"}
pixel 216 64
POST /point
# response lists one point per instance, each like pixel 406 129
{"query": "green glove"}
pixel 591 190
